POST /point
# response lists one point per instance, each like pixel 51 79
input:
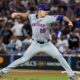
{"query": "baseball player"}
pixel 40 22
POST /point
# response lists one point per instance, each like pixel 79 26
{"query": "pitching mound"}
pixel 13 79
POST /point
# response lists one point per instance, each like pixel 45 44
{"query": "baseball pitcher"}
pixel 40 23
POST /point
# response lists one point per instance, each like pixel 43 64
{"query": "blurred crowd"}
pixel 15 34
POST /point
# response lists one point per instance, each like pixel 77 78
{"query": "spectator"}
pixel 73 53
pixel 62 44
pixel 2 23
pixel 1 7
pixel 77 21
pixel 3 49
pixel 6 33
pixel 26 30
pixel 66 1
pixel 77 1
pixel 27 41
pixel 16 5
pixel 17 28
pixel 15 44
pixel 25 3
pixel 73 40
pixel 62 8
pixel 53 37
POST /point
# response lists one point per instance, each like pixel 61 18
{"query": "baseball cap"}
pixel 43 7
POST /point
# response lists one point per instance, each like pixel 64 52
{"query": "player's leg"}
pixel 53 51
pixel 31 51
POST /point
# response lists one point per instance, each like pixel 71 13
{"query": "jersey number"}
pixel 42 30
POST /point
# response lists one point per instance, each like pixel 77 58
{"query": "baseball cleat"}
pixel 73 78
pixel 1 73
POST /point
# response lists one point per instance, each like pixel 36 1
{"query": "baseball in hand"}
pixel 13 15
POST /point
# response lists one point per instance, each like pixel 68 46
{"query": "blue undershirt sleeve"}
pixel 60 17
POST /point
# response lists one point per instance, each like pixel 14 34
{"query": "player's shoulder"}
pixel 32 14
pixel 52 15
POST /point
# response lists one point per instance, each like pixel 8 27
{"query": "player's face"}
pixel 42 13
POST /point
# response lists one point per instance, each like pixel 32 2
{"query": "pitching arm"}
pixel 66 19
pixel 23 15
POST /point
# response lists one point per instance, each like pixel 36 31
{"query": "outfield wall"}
pixel 41 62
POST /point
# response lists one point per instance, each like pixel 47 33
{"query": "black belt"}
pixel 42 42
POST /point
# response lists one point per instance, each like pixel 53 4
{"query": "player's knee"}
pixel 24 59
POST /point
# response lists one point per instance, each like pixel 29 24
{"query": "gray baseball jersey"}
pixel 40 26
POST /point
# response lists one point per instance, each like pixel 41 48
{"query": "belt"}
pixel 42 42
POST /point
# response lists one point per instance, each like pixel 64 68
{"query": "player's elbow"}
pixel 66 19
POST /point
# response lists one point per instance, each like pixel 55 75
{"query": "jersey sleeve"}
pixel 54 18
pixel 31 16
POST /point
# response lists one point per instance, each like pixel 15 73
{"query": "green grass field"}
pixel 37 77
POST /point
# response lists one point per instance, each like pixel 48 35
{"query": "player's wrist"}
pixel 14 15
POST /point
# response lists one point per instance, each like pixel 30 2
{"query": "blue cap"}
pixel 42 7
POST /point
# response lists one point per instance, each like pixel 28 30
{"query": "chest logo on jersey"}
pixel 38 24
